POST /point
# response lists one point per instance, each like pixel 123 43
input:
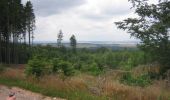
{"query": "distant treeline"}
pixel 17 23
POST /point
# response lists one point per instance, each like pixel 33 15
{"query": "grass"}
pixel 83 86
pixel 48 86
pixel 49 91
pixel 143 80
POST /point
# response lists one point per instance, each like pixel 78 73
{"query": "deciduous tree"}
pixel 152 27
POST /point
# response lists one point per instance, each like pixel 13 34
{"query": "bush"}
pixel 55 65
pixel 143 80
pixel 94 69
pixel 64 66
pixel 35 67
pixel 67 68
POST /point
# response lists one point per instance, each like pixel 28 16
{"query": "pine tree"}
pixel 13 21
pixel 73 43
pixel 30 20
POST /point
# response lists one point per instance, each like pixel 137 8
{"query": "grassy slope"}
pixel 77 87
pixel 70 95
pixel 50 87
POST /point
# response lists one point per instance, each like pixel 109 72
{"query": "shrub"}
pixel 67 68
pixel 35 67
pixel 55 65
pixel 94 69
pixel 126 65
pixel 143 80
pixel 78 65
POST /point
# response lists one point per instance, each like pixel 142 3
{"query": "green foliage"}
pixel 35 67
pixel 55 64
pixel 143 80
pixel 16 21
pixel 85 60
pixel 30 20
pixel 73 43
pixel 50 91
pixel 62 66
pixel 67 68
pixel 78 65
pixel 132 60
pixel 152 28
pixel 94 69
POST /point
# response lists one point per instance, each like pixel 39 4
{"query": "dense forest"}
pixel 17 23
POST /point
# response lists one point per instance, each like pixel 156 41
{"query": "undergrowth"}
pixel 142 80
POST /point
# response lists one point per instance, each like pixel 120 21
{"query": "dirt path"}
pixel 22 94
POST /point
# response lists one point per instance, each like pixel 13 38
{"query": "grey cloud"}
pixel 104 15
pixel 109 12
pixel 50 7
pixel 96 17
pixel 117 10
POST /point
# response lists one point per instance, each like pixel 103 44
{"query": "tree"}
pixel 11 28
pixel 30 20
pixel 35 67
pixel 152 28
pixel 59 39
pixel 73 43
pixel 67 68
pixel 13 25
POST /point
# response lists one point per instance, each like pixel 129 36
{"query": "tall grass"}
pixel 49 85
pixel 85 87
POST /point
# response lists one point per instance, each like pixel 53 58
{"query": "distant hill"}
pixel 116 45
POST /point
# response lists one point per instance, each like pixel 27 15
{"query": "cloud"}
pixel 88 20
pixel 105 9
pixel 84 29
pixel 51 7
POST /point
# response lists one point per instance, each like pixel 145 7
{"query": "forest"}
pixel 74 73
pixel 17 23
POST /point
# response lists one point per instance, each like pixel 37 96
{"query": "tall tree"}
pixel 59 39
pixel 12 29
pixel 73 43
pixel 30 20
pixel 152 27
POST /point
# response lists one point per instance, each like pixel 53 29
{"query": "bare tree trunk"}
pixel 6 50
pixel 32 38
pixel 9 51
pixel 29 33
pixel 0 49
pixel 24 38
pixel 14 53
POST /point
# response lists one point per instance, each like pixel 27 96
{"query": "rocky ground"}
pixel 22 94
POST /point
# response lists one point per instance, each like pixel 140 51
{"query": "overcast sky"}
pixel 88 20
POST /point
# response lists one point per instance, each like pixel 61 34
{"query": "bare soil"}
pixel 22 94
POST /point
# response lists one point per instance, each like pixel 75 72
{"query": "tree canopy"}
pixel 152 27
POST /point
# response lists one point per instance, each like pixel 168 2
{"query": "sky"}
pixel 88 20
